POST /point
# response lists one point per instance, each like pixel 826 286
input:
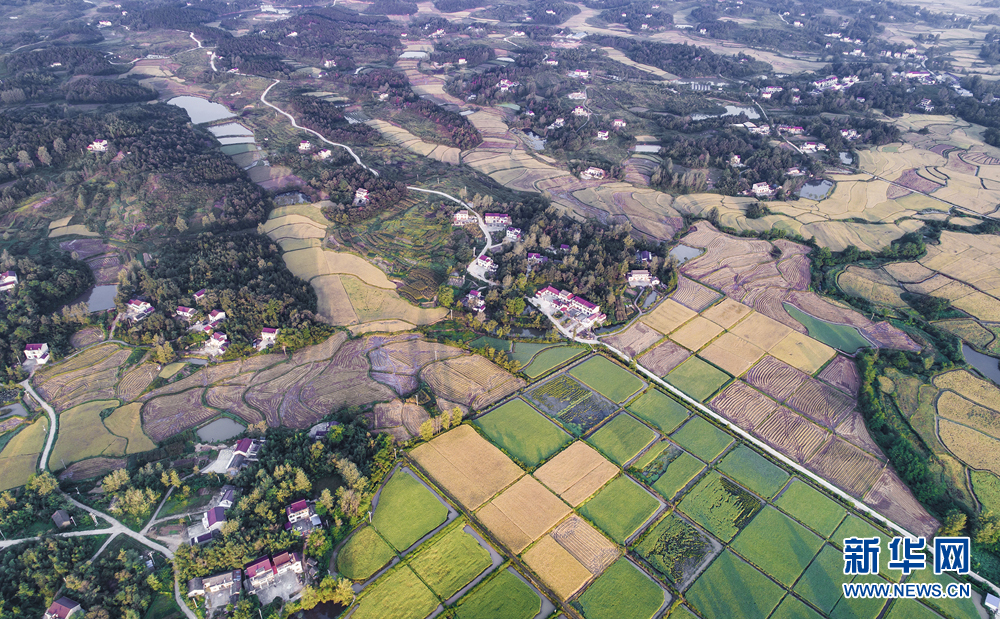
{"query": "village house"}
pixel 136 310
pixel 216 316
pixel 302 518
pixel 537 259
pixel 506 85
pixel 260 574
pixel 641 277
pixel 581 111
pixel 299 510
pixel 579 73
pixel 643 257
pixel 462 61
pixel 463 217
pixel 474 301
pixel 305 146
pixel 226 496
pixel 592 173
pixel 214 518
pixel 926 105
pixel 791 130
pixel 559 123
pixel 268 337
pixel 602 135
pixel 360 196
pixel 564 248
pixel 324 154
pixel 227 583
pixel 62 518
pixel 217 343
pixel 185 313
pixel 849 134
pixel 761 189
pixel 486 262
pixel 39 353
pixel 577 96
pixel 287 561
pixel 618 123
pixel 551 62
pixel 7 281
pixel 244 452
pixel 497 219
pixel 735 161
pixel 582 313
pixel 198 296
pixel 513 234
pixel 98 146
pixel 62 608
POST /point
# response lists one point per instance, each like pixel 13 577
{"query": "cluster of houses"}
pixel 474 301
pixel 8 281
pixel 832 82
pixel 506 85
pixel 754 128
pixel 642 278
pixel 582 315
pixel 137 309
pixel 497 219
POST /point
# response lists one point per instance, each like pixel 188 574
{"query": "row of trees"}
pixel 683 59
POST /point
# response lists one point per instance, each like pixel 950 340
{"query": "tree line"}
pixel 683 59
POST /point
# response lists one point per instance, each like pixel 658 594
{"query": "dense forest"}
pixel 684 60
pixel 474 54
pixel 245 277
pixel 47 280
pixel 635 15
pixel 325 117
pixel 170 168
pixel 92 90
pixel 31 574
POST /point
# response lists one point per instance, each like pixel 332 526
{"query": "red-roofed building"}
pixel 299 510
pixel 260 574
pixel 185 313
pixel 62 608
pixel 268 337
pixel 497 219
pixel 216 316
pixel 287 561
pixel 198 296
pixel 39 353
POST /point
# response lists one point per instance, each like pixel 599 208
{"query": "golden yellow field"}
pixel 726 313
pixel 762 330
pixel 668 316
pixel 802 352
pixel 971 387
pixel 83 435
pixel 557 568
pixel 68 230
pixel 466 465
pixel 576 473
pixel 974 448
pixel 969 330
pixel 732 353
pixel 696 333
pixel 371 303
pixel 530 507
pixel 332 301
pixel 20 456
pixel 472 381
pixel 126 422
pixel 873 285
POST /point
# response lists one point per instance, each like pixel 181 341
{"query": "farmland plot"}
pixel 634 340
pixel 731 588
pixel 821 403
pixel 784 562
pixel 846 466
pixel 811 507
pixel 522 432
pixel 607 378
pixel 696 333
pixel 697 378
pixel 557 568
pixel 471 380
pixel 450 561
pixel 19 456
pixel 727 313
pixel 503 596
pixel 407 511
pixel 743 405
pixel 230 398
pixel 976 449
pixel 659 410
pixel 522 513
pixel 398 595
pixel 891 497
pixel 754 471
pixel 676 549
pixel 620 509
pixel 622 438
pixel 83 435
pixel 720 506
pixel 550 358
pixel 702 439
pixel 792 434
pixel 126 422
pixel 842 373
pixel 670 471
pixel 668 316
pixel 821 583
pixel 136 381
pixel 732 353
pixel 663 358
pixel 364 554
pixel 167 415
pixel 776 378
pixel 622 592
pixel 693 295
pixel 565 399
pixel 594 551
pixel 576 473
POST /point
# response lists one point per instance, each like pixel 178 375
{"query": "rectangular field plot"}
pixel 763 331
pixel 702 439
pixel 660 410
pixel 802 352
pixel 848 467
pixel 397 595
pixel 364 554
pixel 863 608
pixel 668 316
pixel 754 471
pixel 586 544
pixel 794 608
pixel 578 409
pixel 720 505
pixel 731 588
pixel 607 378
pixel 697 378
pixel 672 474
pixel 777 545
pixel 820 585
pixel 522 432
pixel 504 596
pixel 792 434
pixel 450 561
pixel 743 405
pixel 952 608
pixel 675 549
pixel 775 378
pixel 522 513
pixel 732 353
pixel 550 358
pixel 466 465
pixel 622 592
pixel 576 473
pixel 696 333
pixel 811 507
pixel 557 568
pixel 821 403
pixel 620 509
pixel 407 510
pixel 663 358
pixel 634 340
pixel 910 609
pixel 622 438
pixel 726 313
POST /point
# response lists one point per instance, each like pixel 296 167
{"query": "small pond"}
pixel 229 129
pixel 201 110
pixel 99 298
pixel 236 139
pixel 650 300
pixel 528 332
pixel 846 158
pixel 816 190
pixel 326 610
pixel 647 148
pixel 683 253
pixel 222 429
pixel 731 110
pixel 987 365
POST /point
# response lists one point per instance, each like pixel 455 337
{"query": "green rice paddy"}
pixel 622 592
pixel 702 438
pixel 841 337
pixel 607 378
pixel 551 358
pixel 720 506
pixel 784 561
pixel 524 433
pixel 811 507
pixel 660 410
pixel 407 511
pixel 450 562
pixel 731 588
pixel 399 595
pixel 622 438
pixel 620 508
pixel 697 378
pixel 503 596
pixel 754 471
pixel 363 555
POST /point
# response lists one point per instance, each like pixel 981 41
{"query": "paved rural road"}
pixel 317 134
pixel 43 464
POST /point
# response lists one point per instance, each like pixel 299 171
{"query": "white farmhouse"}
pixel 7 281
pixel 39 353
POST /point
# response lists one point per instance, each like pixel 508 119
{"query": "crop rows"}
pixel 846 466
pixel 743 405
pixel 791 434
pixel 843 374
pixel 694 295
pixel 168 415
pixel 796 272
pixel 400 383
pixel 230 398
pixel 775 378
pixel 663 358
pixel 720 505
pixel 556 395
pixel 266 400
pixel 136 381
pixel 821 403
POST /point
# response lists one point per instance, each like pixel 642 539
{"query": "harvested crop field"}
pixel 727 313
pixel 697 378
pixel 696 333
pixel 622 592
pixel 754 471
pixel 891 497
pixel 775 378
pixel 373 304
pixel 668 316
pixel 576 473
pixel 663 358
pixel 763 331
pixel 472 381
pixel 675 549
pixel 126 422
pixel 842 373
pixel 398 595
pixel 586 544
pixel 607 378
pixel 702 439
pixel 620 509
pixel 407 510
pixel 821 403
pixel 86 337
pixel 136 381
pixel 634 340
pixel 971 447
pixel 846 466
pixel 504 596
pixel 522 514
pixel 364 554
pixel 556 567
pixel 659 410
pixel 693 295
pixel 731 583
pixel 791 434
pixel 732 353
pixel 91 468
pixel 167 415
pixel 466 465
pixel 743 405
pixel 786 561
pixel 83 435
pixel 622 438
pixel 971 387
pixel 522 432
pixel 450 561
pixel 19 457
pixel 720 506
